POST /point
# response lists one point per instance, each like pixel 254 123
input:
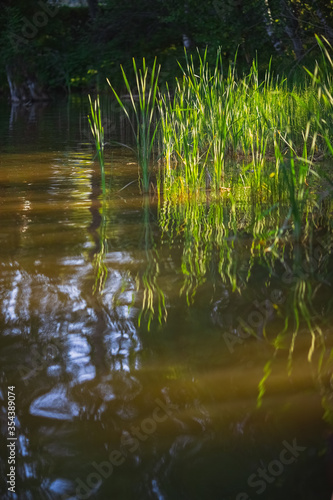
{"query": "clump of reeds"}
pixel 97 130
pixel 260 127
pixel 215 117
pixel 322 82
pixel 143 101
pixel 215 120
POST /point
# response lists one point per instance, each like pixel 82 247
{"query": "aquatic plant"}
pixel 214 117
pixel 97 130
pixel 218 131
pixel 143 102
pixel 322 83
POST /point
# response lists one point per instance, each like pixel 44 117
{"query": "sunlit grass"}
pixel 97 130
pixel 214 117
pixel 143 103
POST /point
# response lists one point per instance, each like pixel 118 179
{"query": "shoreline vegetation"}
pixel 218 130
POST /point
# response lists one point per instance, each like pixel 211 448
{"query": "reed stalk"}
pixel 97 130
pixel 143 103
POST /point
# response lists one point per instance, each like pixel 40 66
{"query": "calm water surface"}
pixel 124 328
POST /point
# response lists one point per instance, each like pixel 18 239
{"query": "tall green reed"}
pixel 322 82
pixel 143 104
pixel 97 130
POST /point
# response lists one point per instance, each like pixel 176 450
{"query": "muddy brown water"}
pixel 110 404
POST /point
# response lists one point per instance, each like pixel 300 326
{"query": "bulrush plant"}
pixel 181 139
pixel 97 131
pixel 214 118
pixel 167 140
pixel 214 123
pixel 322 83
pixel 220 101
pixel 143 104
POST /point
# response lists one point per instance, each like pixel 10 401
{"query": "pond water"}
pixel 157 349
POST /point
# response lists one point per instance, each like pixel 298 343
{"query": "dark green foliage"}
pixel 78 48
